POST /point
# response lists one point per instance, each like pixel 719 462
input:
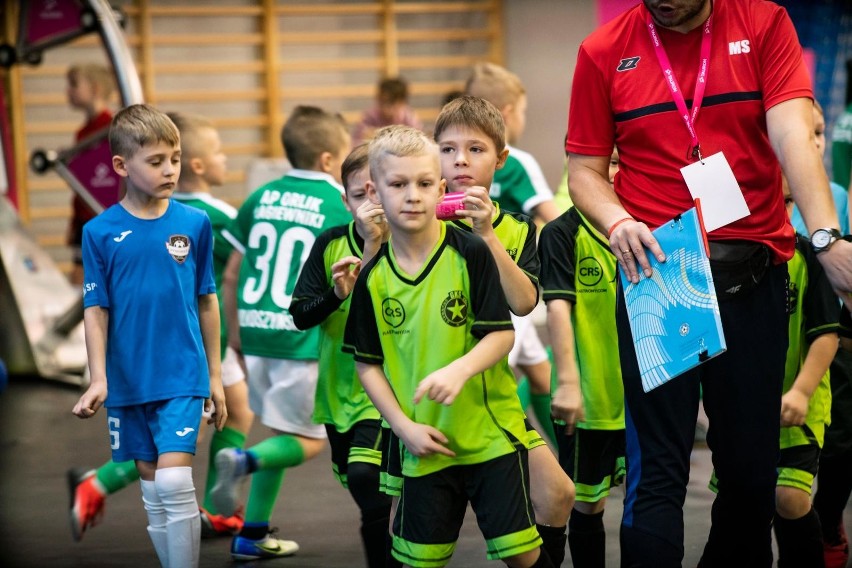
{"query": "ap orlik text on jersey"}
pixel 301 210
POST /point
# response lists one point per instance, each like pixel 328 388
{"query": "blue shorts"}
pixel 144 431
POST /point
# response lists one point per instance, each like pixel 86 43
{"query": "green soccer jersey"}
pixel 274 230
pixel 221 214
pixel 414 324
pixel 814 310
pixel 340 399
pixel 520 184
pixel 578 266
pixel 517 233
pixel 841 149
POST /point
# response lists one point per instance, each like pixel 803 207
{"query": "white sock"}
pixel 183 524
pixel 156 521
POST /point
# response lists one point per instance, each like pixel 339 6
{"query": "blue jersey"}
pixel 148 275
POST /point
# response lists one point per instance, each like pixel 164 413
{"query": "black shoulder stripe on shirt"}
pixel 670 106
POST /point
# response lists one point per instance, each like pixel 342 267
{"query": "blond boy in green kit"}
pixel 429 328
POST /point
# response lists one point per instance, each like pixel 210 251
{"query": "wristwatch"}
pixel 822 239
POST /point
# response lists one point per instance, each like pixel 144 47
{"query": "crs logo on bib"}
pixel 393 312
pixel 589 271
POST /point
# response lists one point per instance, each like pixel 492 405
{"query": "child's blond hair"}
pixel 474 113
pixel 140 125
pixel 191 127
pixel 97 74
pixel 495 84
pixel 310 131
pixel 401 142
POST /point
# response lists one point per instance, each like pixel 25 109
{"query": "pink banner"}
pixel 49 19
pixel 93 168
pixel 608 9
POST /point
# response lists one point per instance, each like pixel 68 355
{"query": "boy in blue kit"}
pixel 321 298
pixel 430 331
pixel 152 328
pixel 471 138
pixel 272 236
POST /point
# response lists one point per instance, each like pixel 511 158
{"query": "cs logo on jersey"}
pixel 178 247
pixel 454 309
pixel 589 271
pixel 392 312
pixel 628 64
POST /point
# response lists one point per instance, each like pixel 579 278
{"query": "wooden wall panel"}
pixel 246 64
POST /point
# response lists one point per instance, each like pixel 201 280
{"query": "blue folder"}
pixel 674 314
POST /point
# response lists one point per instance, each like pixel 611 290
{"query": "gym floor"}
pixel 40 439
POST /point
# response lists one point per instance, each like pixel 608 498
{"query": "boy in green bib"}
pixel 429 328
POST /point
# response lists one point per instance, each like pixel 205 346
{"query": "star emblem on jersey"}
pixel 178 247
pixel 454 309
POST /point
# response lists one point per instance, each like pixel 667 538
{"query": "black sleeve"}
pixel 313 298
pixel 361 337
pixel 556 252
pixel 822 308
pixel 488 302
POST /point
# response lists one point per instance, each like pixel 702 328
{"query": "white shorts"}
pixel 281 393
pixel 232 373
pixel 528 348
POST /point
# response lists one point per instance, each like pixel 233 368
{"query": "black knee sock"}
pixel 553 542
pixel 799 541
pixel 587 540
pixel 834 483
pixel 543 560
pixel 363 481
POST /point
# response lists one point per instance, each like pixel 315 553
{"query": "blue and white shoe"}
pixel 268 547
pixel 231 466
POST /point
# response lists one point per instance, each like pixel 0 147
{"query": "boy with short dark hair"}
pixel 152 328
pixel 272 235
pixel 429 329
pixel 321 298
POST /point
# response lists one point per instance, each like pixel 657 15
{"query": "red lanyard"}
pixel 671 81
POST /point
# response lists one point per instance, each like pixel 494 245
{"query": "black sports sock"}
pixel 543 560
pixel 553 542
pixel 587 540
pixel 799 541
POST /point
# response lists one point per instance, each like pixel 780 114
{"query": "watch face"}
pixel 820 238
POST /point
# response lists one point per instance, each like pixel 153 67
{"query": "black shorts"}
pixel 432 508
pixel 390 478
pixel 593 459
pixel 361 443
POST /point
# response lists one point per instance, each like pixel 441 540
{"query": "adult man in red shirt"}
pixel 741 63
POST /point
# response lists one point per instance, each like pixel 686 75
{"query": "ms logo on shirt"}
pixel 454 309
pixel 178 247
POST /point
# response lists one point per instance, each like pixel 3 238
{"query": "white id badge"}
pixel 713 182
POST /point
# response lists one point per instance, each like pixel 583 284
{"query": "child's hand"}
pixel 794 408
pixel 216 408
pixel 423 440
pixel 371 222
pixel 567 406
pixel 91 401
pixel 344 272
pixel 441 386
pixel 479 209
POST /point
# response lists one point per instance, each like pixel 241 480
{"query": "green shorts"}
pixel 361 443
pixel 432 508
pixel 593 459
